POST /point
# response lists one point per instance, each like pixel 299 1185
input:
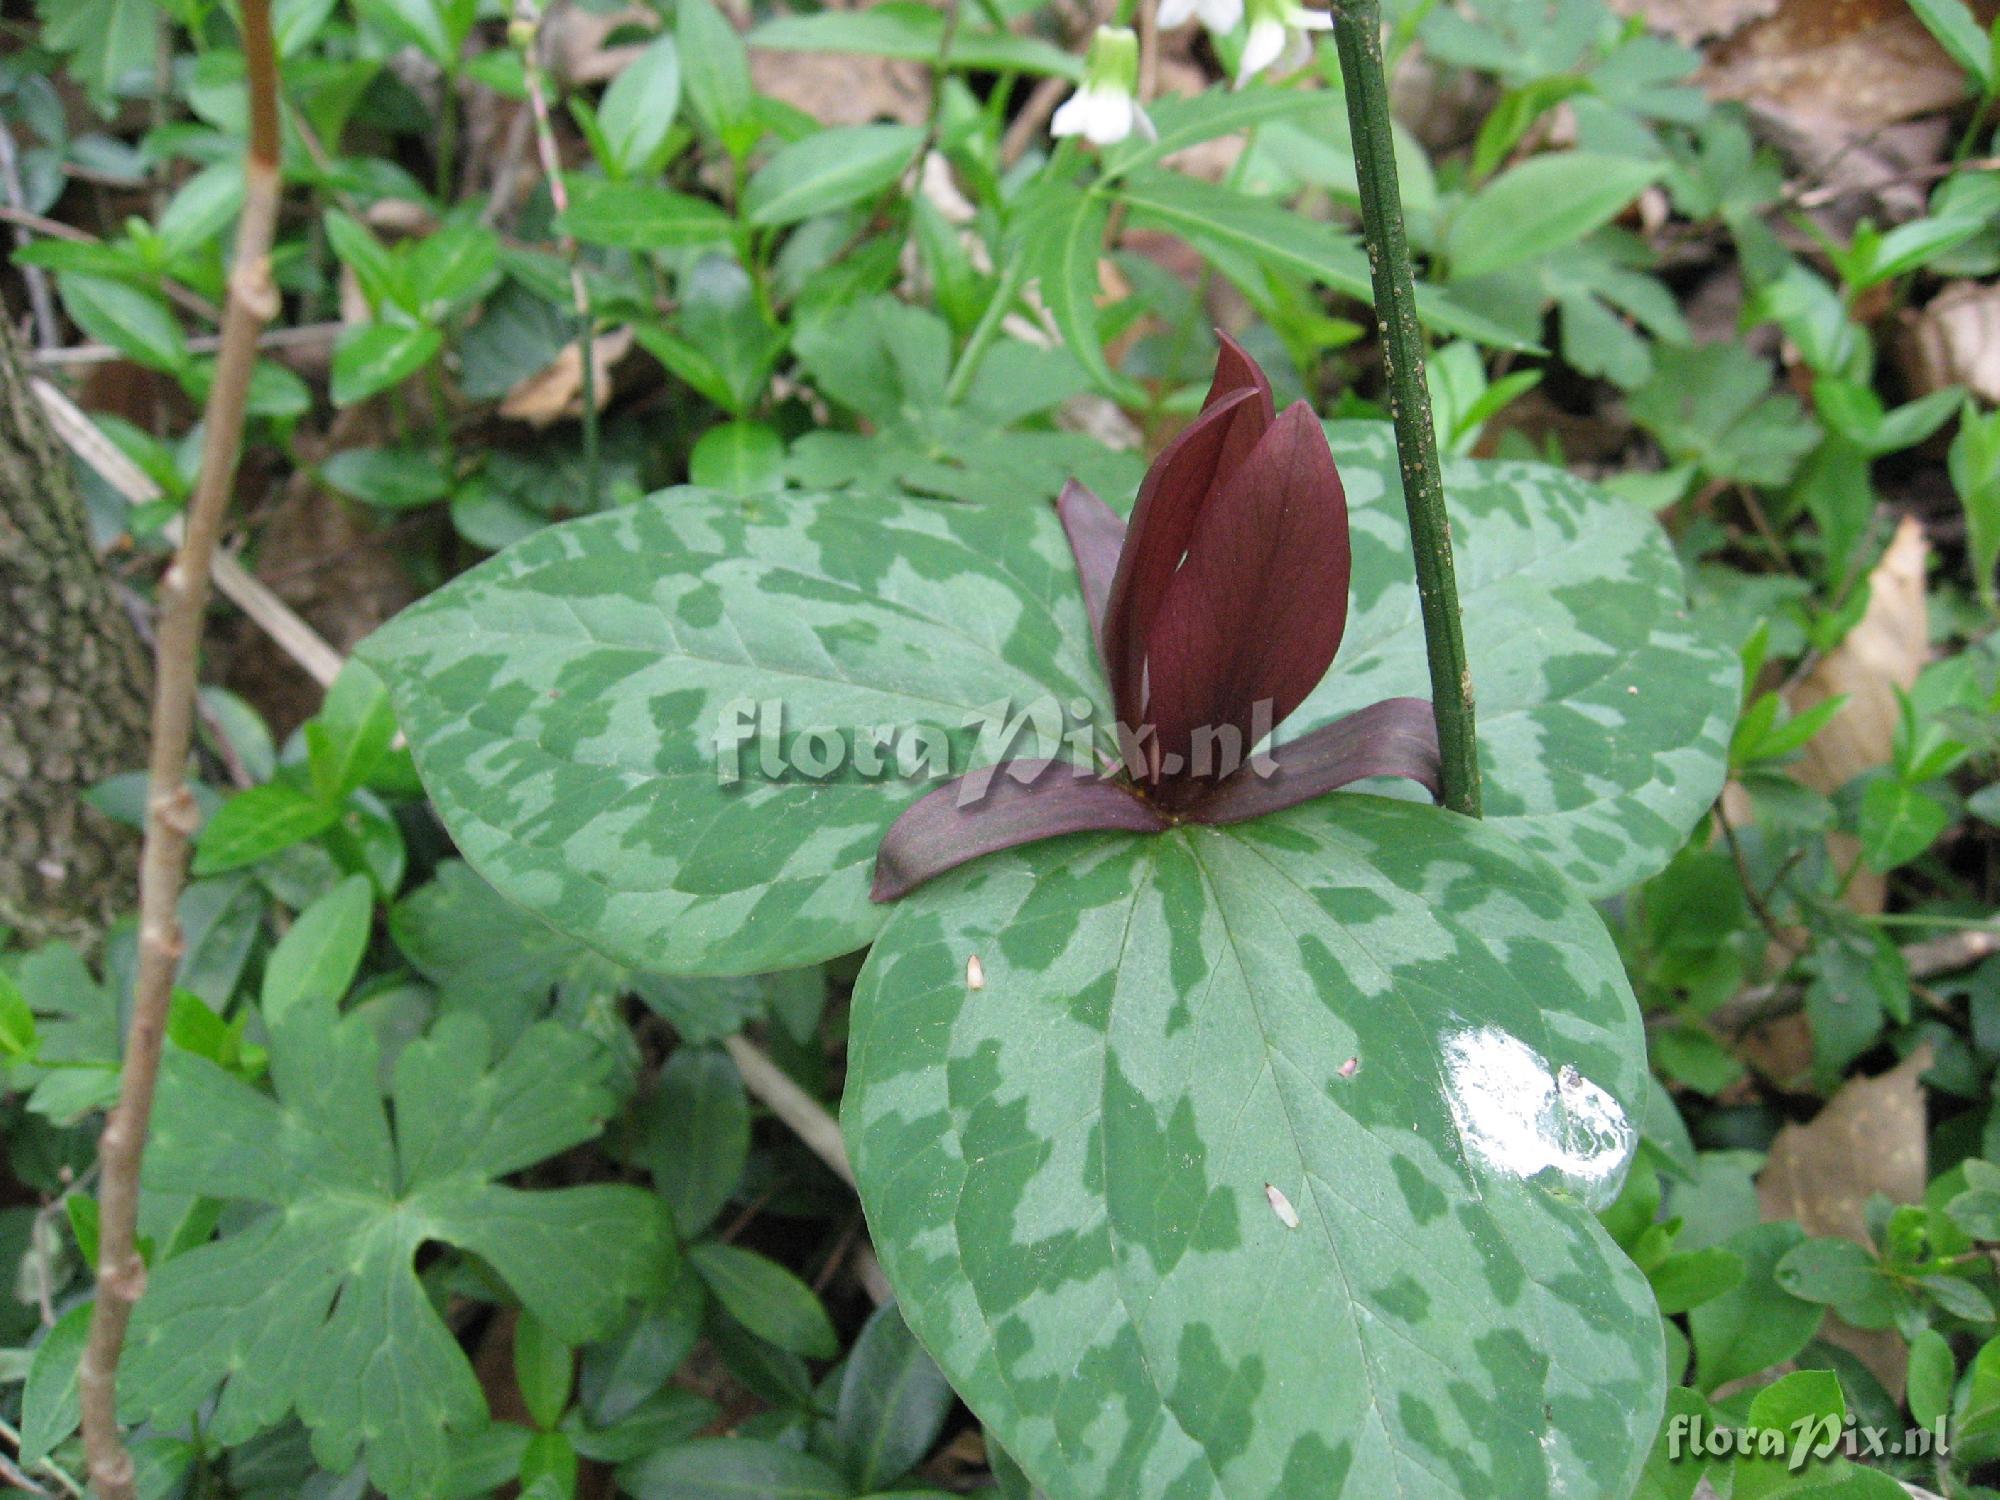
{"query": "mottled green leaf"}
pixel 1604 712
pixel 374 356
pixel 564 700
pixel 1261 1161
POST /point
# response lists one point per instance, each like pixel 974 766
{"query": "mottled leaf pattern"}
pixel 1604 713
pixel 562 700
pixel 1413 1031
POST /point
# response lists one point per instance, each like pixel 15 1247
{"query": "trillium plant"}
pixel 1214 614
pixel 1220 1137
pixel 1227 1144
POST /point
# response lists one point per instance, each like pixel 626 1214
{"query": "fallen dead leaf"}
pixel 1881 654
pixel 837 89
pixel 1855 64
pixel 1869 1139
pixel 1955 341
pixel 556 390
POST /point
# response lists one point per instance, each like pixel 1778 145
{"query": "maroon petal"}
pixel 1096 534
pixel 1235 370
pixel 1396 737
pixel 1253 617
pixel 1175 490
pixel 1050 798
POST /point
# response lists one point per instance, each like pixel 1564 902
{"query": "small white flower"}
pixel 1277 29
pixel 1104 110
pixel 1217 15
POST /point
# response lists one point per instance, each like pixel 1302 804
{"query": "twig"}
pixel 305 336
pixel 1041 103
pixel 527 33
pixel 278 620
pixel 1149 51
pixel 55 229
pixel 806 1116
pixel 1357 32
pixel 170 807
pixel 48 332
pixel 47 1466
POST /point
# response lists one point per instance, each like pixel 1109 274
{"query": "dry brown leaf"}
pixel 1882 653
pixel 1692 21
pixel 1955 341
pixel 1856 64
pixel 840 90
pixel 1869 1139
pixel 556 390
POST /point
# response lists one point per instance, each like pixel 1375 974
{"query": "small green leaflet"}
pixel 1261 1162
pixel 326 1278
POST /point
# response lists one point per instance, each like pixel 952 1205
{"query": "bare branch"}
pixel 170 811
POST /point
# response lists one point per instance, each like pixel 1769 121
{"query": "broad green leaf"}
pixel 420 23
pixel 640 216
pixel 1262 1161
pixel 731 1469
pixel 914 32
pixel 391 478
pixel 564 701
pixel 1061 234
pixel 715 70
pixel 1602 742
pixel 257 823
pixel 50 1404
pixel 544 1367
pixel 766 1299
pixel 351 734
pixel 109 41
pixel 314 1306
pixel 1933 1372
pixel 693 1135
pixel 133 322
pixel 205 205
pixel 1756 1323
pixel 738 458
pixel 892 1405
pixel 1206 214
pixel 638 108
pixel 371 358
pixel 17 1020
pixel 318 956
pixel 1898 822
pixel 827 170
pixel 1540 206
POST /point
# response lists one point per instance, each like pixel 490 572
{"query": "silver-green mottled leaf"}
pixel 1604 712
pixel 1260 1163
pixel 563 700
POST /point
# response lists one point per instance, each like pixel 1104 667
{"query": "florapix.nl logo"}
pixel 756 741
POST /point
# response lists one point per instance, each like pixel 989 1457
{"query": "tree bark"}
pixel 72 689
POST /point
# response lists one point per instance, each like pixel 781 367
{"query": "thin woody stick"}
pixel 170 808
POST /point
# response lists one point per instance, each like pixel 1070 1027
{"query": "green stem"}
pixel 1357 32
pixel 1012 273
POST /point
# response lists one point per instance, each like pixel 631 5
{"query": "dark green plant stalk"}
pixel 1357 32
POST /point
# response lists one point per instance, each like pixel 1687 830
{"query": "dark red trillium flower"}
pixel 1216 612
